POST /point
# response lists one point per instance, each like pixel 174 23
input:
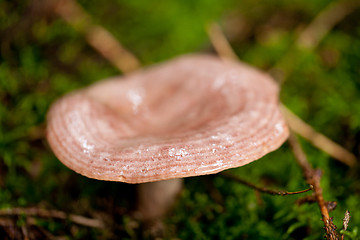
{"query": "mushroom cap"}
pixel 190 116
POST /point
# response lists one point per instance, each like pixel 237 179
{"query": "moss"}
pixel 43 58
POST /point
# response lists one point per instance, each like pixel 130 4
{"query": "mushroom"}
pixel 190 116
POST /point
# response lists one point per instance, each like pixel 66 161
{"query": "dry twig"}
pixel 262 189
pixel 317 139
pixel 97 36
pixel 313 178
pixel 310 37
pixel 54 214
pixel 331 205
pixel 335 12
pixel 25 232
pixel 220 42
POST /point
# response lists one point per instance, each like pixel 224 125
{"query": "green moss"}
pixel 43 58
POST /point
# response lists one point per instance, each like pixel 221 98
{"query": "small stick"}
pixel 220 42
pixel 334 13
pixel 313 33
pixel 317 139
pixel 313 177
pixel 43 213
pixel 25 232
pixel 262 189
pixel 331 205
pixel 97 36
pixel 7 222
pixel 31 221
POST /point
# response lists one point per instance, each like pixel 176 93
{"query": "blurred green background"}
pixel 42 58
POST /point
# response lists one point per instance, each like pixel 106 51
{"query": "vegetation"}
pixel 42 58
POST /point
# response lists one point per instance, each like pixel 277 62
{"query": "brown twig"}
pixel 335 12
pixel 310 37
pixel 313 178
pixel 220 42
pixel 317 139
pixel 10 229
pixel 54 214
pixel 331 205
pixel 32 222
pixel 97 36
pixel 262 189
pixel 25 232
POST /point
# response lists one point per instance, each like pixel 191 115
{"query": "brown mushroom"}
pixel 191 116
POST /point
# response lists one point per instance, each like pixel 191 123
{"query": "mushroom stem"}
pixel 156 198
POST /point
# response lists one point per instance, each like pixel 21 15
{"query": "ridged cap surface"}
pixel 190 116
